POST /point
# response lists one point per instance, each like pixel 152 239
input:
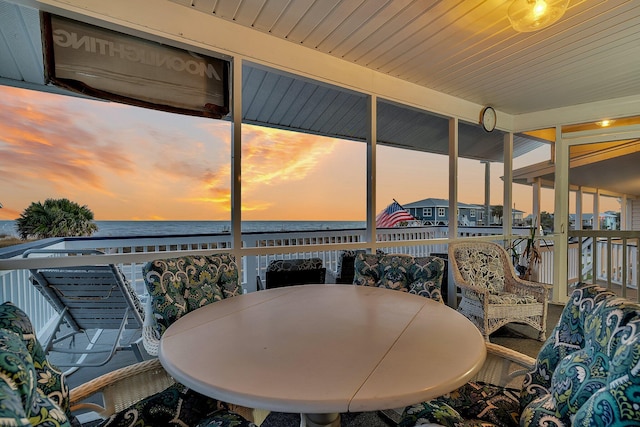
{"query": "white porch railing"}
pixel 613 260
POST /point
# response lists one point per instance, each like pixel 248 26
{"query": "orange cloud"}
pixel 42 137
pixel 273 156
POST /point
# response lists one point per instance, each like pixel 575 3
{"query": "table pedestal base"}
pixel 320 420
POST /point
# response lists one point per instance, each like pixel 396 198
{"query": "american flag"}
pixel 391 215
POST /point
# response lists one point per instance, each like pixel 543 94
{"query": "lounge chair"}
pixel 88 298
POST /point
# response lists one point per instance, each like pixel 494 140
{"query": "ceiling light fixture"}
pixel 605 123
pixel 533 15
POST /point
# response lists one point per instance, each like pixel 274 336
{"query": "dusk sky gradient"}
pixel 128 163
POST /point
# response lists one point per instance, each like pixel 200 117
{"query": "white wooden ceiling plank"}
pixel 367 22
pixel 290 17
pixel 248 12
pixel 228 9
pixel 319 14
pixel 23 46
pixel 393 37
pixel 270 14
pixel 206 6
pixel 439 38
pixel 474 30
pixel 336 21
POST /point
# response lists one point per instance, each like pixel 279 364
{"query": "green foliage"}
pixel 55 218
pixel 546 221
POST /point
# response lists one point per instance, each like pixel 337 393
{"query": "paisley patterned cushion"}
pixel 475 403
pixel 178 286
pixel 176 406
pixel 481 268
pixel 508 298
pixel 295 264
pixel 225 419
pixel 587 371
pixel 416 275
pixel 32 392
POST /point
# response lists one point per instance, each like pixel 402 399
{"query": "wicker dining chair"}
pixel 492 294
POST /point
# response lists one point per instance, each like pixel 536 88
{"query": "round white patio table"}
pixel 323 349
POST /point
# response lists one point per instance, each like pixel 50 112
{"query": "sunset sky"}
pixel 128 163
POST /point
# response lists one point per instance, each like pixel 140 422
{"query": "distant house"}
pixel 436 212
pixel 608 221
pixel 518 217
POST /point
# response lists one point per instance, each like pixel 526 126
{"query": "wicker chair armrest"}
pixel 525 287
pixel 150 338
pixel 504 367
pixel 121 388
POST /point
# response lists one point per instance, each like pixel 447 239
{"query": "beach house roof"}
pixel 439 203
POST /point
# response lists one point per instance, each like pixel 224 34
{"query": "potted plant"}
pixel 526 262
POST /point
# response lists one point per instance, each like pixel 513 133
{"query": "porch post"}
pixel 452 298
pixel 507 210
pixel 236 169
pixel 372 136
pixel 560 217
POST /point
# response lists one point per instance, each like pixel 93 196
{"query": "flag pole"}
pixel 399 204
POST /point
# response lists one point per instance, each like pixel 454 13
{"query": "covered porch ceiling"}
pixel 309 65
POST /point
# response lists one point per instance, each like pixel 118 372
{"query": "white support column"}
pixel 452 300
pixel 487 192
pixel 537 201
pixel 579 201
pixel 507 210
pixel 236 155
pixel 624 213
pixel 372 137
pixel 596 210
pixel 561 216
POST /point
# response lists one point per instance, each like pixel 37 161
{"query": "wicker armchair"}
pixel 492 294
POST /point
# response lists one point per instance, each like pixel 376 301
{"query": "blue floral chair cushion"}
pixel 178 286
pixel 346 264
pixel 587 373
pixel 177 406
pixel 417 275
pixel 486 269
pixel 474 404
pixel 295 264
pixel 32 391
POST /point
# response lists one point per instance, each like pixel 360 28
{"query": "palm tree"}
pixel 55 218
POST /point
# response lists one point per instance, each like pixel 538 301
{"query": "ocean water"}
pixel 164 228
